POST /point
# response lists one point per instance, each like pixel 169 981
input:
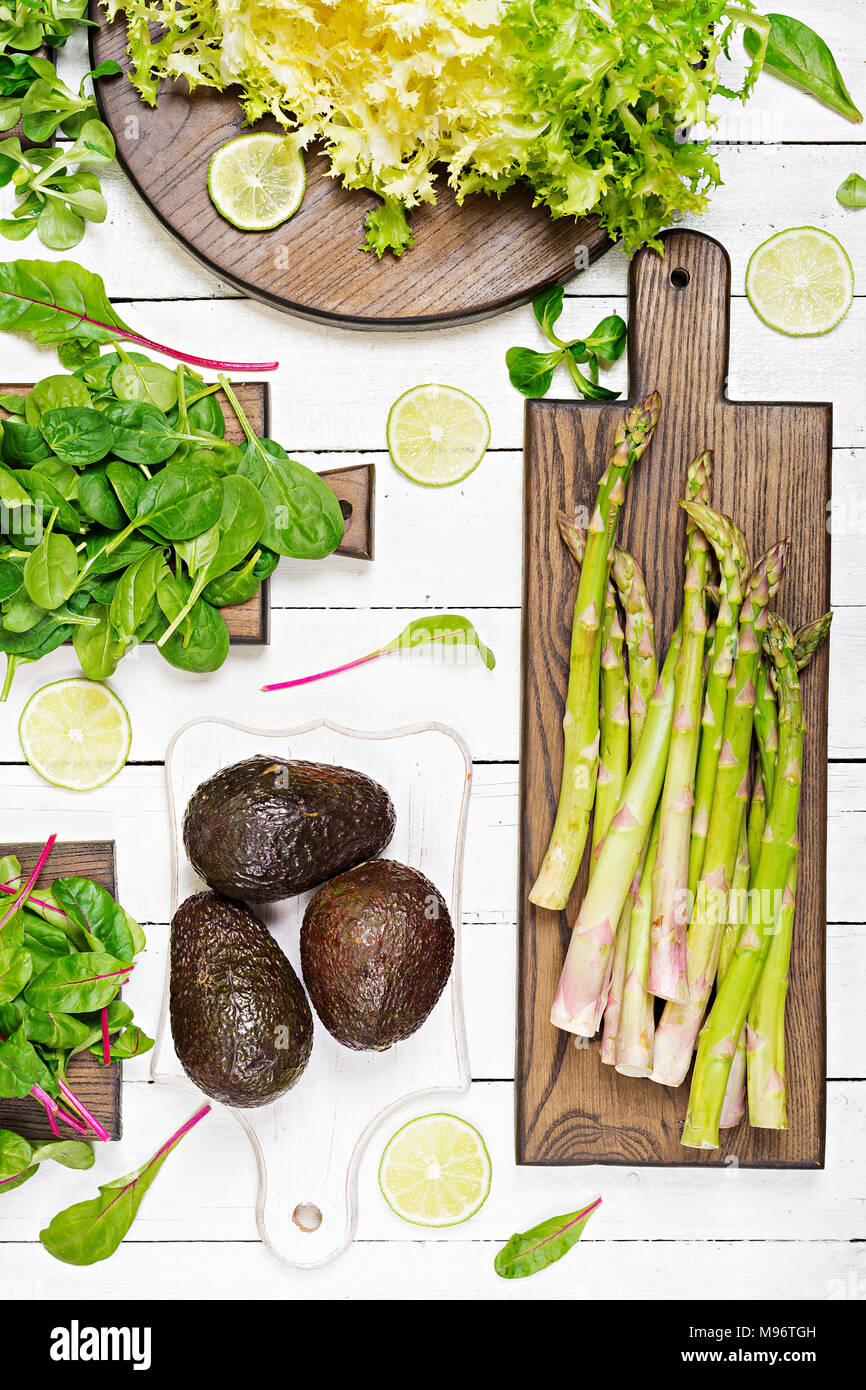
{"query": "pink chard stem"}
pixel 106 1041
pixel 83 1111
pixel 25 891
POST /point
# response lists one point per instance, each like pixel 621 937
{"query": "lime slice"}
pixel 257 181
pixel 437 435
pixel 435 1171
pixel 75 733
pixel 800 281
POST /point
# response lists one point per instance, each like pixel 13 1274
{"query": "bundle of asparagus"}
pixel 693 868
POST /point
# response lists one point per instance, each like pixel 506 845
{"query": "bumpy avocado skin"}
pixel 265 829
pixel 377 947
pixel 240 1019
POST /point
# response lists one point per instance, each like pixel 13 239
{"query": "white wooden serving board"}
pixel 308 1144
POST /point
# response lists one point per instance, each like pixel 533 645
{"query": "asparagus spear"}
pixel 718 1040
pixel 579 1000
pixel 613 719
pixel 732 553
pixel 667 967
pixel 733 1107
pixel 580 723
pixel 767 1083
pixel 679 1023
pixel 757 819
pixel 634 1040
pixel 643 667
pixel 613 711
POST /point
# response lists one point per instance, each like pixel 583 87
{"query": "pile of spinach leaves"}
pixel 64 956
pixel 126 516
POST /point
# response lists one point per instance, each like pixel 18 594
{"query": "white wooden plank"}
pixel 417 1270
pixel 335 386
pixel 207 1191
pixel 451 687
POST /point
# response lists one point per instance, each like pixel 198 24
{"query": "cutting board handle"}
pixel 678 319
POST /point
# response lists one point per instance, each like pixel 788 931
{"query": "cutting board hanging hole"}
pixel 307 1217
pixel 680 278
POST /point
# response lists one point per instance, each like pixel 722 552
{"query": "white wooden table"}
pixel 666 1234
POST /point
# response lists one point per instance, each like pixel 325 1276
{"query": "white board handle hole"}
pixel 307 1217
pixel 680 278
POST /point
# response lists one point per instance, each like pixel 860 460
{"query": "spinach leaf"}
pixel 11 579
pixel 134 597
pixel 142 434
pixel 851 193
pixel 94 646
pixel 302 514
pixel 92 1230
pixel 77 982
pixel 23 444
pixel 238 586
pixel 144 381
pixel 78 434
pixel 180 503
pixel 54 393
pixel 44 491
pixel 51 570
pixel 128 483
pixel 96 912
pixel 240 523
pixel 798 55
pixel 543 1245
pixel 99 499
pixel 201 644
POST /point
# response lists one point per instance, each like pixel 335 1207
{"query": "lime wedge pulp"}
pixel 437 435
pixel 435 1171
pixel 75 733
pixel 800 281
pixel 257 181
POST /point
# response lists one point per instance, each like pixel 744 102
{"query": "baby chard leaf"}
pixel 77 983
pixel 92 1230
pixel 528 1252
pixel 448 628
pixel 104 921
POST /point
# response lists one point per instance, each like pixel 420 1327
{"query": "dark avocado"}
pixel 240 1020
pixel 376 951
pixel 265 829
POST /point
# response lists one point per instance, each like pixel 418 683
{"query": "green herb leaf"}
pixel 532 372
pixel 851 193
pixel 102 919
pixel 531 1251
pixel 547 307
pixel 798 55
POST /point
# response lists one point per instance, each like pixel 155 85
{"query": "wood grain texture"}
pixel 772 473
pixel 249 623
pixel 97 1086
pixel 468 262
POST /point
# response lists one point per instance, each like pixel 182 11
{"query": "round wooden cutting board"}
pixel 467 263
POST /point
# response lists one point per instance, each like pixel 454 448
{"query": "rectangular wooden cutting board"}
pixel 772 474
pixel 249 623
pixel 97 1085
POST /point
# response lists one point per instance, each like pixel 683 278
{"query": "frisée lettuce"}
pixel 586 101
